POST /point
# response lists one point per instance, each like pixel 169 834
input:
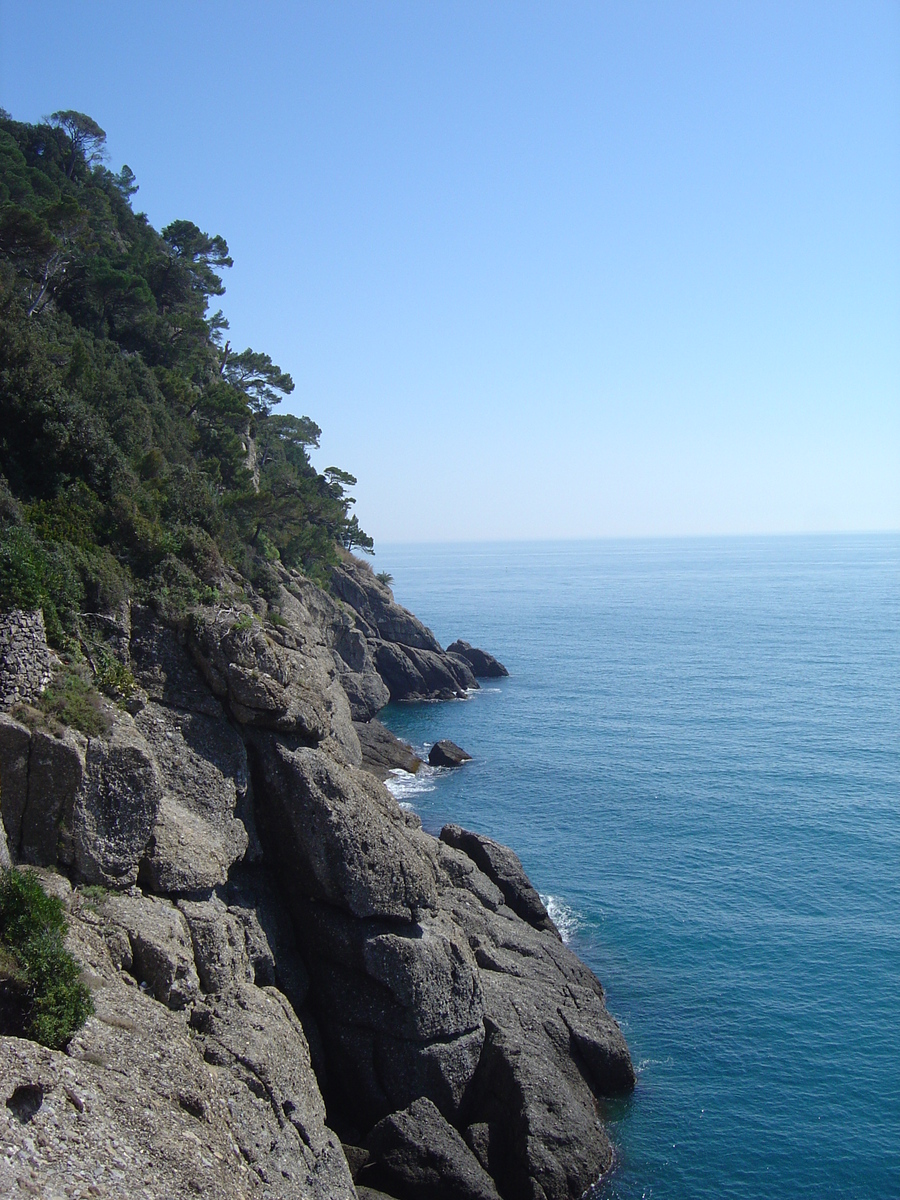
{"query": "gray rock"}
pixel 399 673
pixel 441 675
pixel 367 693
pixel 355 583
pixel 501 865
pixel 399 1006
pixel 202 824
pixel 159 952
pixel 338 835
pixel 484 665
pixel 162 665
pixel 383 752
pixel 447 754
pixel 56 767
pixel 462 670
pixel 183 854
pixel 417 1155
pixel 219 941
pixel 133 1109
pixel 278 677
pixel 115 807
pixel 15 744
pixel 551 1049
pixel 253 1034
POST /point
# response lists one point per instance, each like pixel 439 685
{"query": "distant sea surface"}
pixel 697 758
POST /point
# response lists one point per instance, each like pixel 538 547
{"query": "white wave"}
pixel 563 916
pixel 405 787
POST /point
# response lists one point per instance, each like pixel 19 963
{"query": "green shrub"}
pixel 72 699
pixel 42 976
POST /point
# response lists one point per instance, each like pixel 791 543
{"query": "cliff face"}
pixel 295 986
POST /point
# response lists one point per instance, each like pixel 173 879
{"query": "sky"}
pixel 538 270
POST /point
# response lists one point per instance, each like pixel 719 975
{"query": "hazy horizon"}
pixel 539 272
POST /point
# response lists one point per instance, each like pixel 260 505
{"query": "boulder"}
pixel 447 754
pixel 484 665
pixel 417 1155
pixel 383 752
pixel 501 865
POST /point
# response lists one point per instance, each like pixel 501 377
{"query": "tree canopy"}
pixel 138 450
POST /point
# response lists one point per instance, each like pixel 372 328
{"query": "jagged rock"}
pixel 355 583
pixel 279 677
pixel 219 941
pixel 367 693
pixel 15 744
pixel 202 823
pixel 159 951
pixel 502 865
pixel 550 1049
pixel 441 675
pixel 399 1006
pixel 383 752
pixel 115 807
pixel 132 1109
pixel 484 665
pixel 56 767
pixel 419 1156
pixel 447 754
pixel 337 834
pixel 163 667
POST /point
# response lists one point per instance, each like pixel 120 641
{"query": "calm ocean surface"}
pixel 697 757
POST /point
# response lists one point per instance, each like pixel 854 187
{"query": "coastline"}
pixel 225 856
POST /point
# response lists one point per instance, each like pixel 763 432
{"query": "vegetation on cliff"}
pixel 139 452
pixel 41 992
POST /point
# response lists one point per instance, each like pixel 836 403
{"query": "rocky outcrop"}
pixel 420 1156
pixel 483 665
pixel 267 931
pixel 382 752
pixel 166 1091
pixel 502 866
pixel 447 754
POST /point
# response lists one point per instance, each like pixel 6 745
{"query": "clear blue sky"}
pixel 547 269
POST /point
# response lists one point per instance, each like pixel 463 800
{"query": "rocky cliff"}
pixel 298 992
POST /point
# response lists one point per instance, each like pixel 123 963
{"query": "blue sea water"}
pixel 697 757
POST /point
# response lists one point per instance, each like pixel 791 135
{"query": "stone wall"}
pixel 24 657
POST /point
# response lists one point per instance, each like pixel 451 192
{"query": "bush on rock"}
pixel 41 993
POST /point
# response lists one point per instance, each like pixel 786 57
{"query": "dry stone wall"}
pixel 25 660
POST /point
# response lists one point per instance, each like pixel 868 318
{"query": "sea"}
pixel 697 758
